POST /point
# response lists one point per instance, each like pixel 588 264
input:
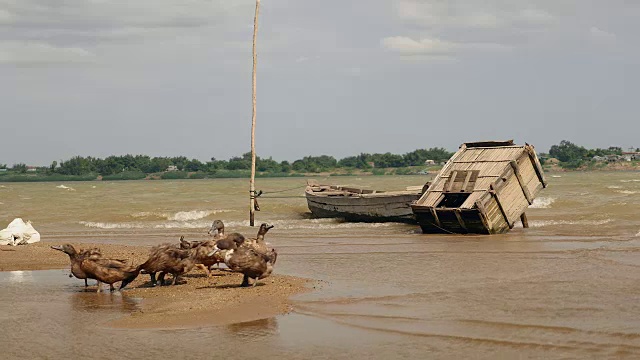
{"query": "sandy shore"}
pixel 195 301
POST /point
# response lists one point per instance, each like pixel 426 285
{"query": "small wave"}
pixel 178 216
pixel 137 225
pixel 101 225
pixel 556 176
pixel 627 192
pixel 614 187
pixel 542 203
pixel 66 188
pixel 543 223
pixel 638 234
pixel 630 180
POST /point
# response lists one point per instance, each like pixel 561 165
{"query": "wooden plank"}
pixel 536 165
pixel 525 222
pixel 460 220
pixel 525 190
pixel 452 179
pixel 466 180
pixel 502 210
pixel 435 216
pixel 482 210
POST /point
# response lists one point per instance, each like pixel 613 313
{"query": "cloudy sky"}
pixel 335 77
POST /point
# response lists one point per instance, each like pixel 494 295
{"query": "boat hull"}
pixel 380 207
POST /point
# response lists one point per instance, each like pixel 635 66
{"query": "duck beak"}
pixel 213 252
pixel 213 232
pixel 57 247
pixel 269 227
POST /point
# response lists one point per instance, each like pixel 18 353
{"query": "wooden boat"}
pixel 484 188
pixel 362 205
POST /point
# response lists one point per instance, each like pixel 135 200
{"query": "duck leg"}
pixel 175 279
pixel 85 282
pixel 153 279
pixel 245 281
pixel 161 278
pixel 255 281
pixel 201 266
pixel 99 286
pixel 111 288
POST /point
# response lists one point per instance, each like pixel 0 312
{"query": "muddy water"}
pixel 567 287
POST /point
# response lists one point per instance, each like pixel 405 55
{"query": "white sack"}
pixel 19 233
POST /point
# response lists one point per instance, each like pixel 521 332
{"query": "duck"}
pixel 90 264
pixel 217 231
pixel 258 243
pixel 76 258
pixel 246 260
pixel 168 258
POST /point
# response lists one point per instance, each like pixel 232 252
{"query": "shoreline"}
pixel 196 301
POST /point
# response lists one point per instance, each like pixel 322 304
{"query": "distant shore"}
pixel 195 301
pixel 551 168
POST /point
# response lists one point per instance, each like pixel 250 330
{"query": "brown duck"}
pixel 90 265
pixel 168 258
pixel 258 243
pixel 246 260
pixel 76 258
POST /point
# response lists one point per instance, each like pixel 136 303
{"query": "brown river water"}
pixel 567 287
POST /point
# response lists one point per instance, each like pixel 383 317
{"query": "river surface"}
pixel 566 288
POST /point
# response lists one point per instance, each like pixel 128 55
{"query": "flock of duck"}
pixel 251 257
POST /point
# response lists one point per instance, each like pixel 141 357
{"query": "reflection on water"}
pixel 254 329
pixel 568 287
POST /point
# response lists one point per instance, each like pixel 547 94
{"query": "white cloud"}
pixel 471 14
pixel 601 37
pixel 433 47
pixel 41 53
pixel 407 46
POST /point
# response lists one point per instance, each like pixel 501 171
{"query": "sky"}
pixel 335 77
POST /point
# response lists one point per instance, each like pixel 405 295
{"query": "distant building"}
pixel 599 158
pixel 631 155
pixel 429 162
pixel 614 158
pixel 172 168
pixel 31 169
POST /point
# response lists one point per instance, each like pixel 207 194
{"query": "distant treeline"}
pixel 571 155
pixel 139 166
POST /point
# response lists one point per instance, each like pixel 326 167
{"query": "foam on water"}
pixel 638 234
pixel 543 223
pixel 614 187
pixel 180 215
pixel 628 192
pixel 556 176
pixel 65 187
pixel 199 224
pixel 630 180
pixel 542 203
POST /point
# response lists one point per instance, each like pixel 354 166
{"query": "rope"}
pixel 280 191
pixel 450 232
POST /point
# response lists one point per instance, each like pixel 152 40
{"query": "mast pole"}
pixel 252 188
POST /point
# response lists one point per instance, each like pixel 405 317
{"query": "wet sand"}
pixel 197 300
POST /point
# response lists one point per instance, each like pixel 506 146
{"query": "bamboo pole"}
pixel 252 187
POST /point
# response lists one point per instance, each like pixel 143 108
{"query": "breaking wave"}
pixel 542 223
pixel 65 187
pixel 638 234
pixel 614 187
pixel 628 192
pixel 139 225
pixel 542 203
pixel 630 180
pixel 204 224
pixel 180 215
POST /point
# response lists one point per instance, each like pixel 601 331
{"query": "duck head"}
pixel 216 228
pixel 66 248
pixel 264 228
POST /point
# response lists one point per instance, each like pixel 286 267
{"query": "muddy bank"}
pixel 195 301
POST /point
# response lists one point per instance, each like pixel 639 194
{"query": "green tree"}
pixel 20 167
pixel 567 152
